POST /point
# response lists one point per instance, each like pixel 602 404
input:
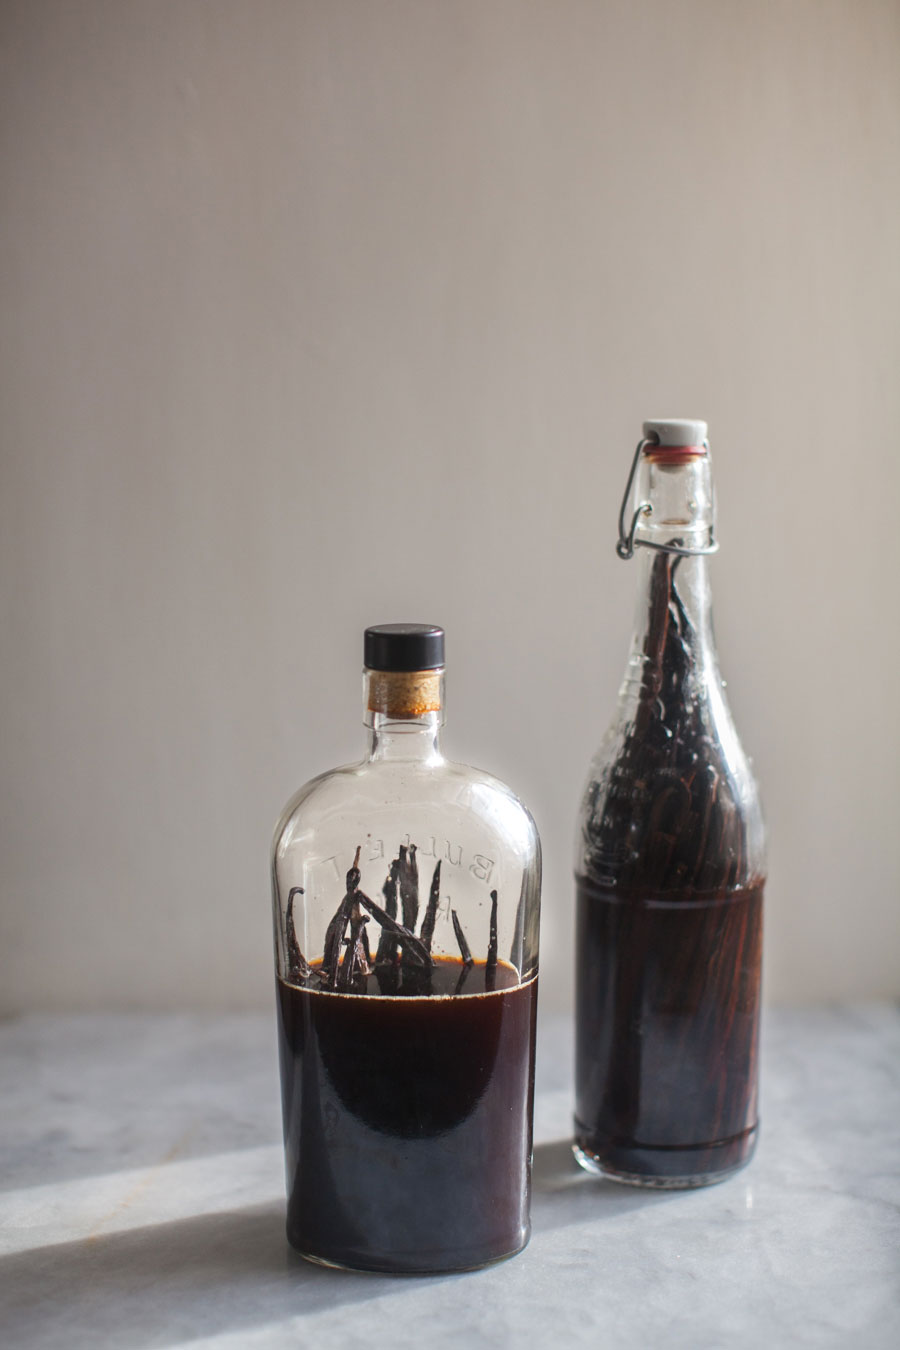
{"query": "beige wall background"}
pixel 322 314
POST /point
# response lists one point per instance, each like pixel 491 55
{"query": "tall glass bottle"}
pixel 670 866
pixel 406 907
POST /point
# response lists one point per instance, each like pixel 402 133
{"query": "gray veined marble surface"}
pixel 141 1205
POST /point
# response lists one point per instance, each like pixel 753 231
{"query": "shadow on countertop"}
pixel 165 1283
pixel 564 1193
pixel 158 1285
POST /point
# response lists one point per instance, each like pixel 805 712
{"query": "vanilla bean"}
pixel 490 968
pixel 412 945
pixel 492 944
pixel 388 979
pixel 416 981
pixel 334 936
pixel 345 970
pixel 461 939
pixel 463 976
pixel 432 907
pixel 409 886
pixel 334 941
pixel 355 967
pixel 387 946
pixel 298 966
pixel 637 836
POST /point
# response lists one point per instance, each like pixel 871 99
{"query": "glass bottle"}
pixel 670 867
pixel 406 907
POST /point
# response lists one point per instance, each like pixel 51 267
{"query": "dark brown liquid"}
pixel 667 998
pixel 407 1120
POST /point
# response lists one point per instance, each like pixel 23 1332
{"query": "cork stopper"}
pixel 404 693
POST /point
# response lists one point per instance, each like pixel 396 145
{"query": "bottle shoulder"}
pixel 671 799
pixel 372 789
pixel 692 708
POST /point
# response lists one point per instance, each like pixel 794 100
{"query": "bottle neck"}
pixel 404 713
pixel 674 604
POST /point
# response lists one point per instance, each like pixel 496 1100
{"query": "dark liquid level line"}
pixel 706 902
pixel 440 982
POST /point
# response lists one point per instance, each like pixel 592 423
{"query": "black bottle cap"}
pixel 403 646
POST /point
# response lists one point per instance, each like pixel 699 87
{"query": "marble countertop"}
pixel 142 1206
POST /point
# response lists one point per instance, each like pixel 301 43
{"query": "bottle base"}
pixel 372 1264
pixel 669 1169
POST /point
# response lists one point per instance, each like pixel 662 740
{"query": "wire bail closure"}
pixel 627 543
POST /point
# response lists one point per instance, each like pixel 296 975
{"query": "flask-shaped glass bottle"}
pixel 406 907
pixel 670 867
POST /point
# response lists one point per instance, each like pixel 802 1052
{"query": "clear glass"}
pixel 670 869
pixel 407 1092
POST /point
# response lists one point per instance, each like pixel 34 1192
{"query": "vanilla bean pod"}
pixel 387 946
pixel 461 939
pixel 490 970
pixel 334 941
pixel 355 967
pixel 412 946
pixel 492 943
pixel 297 964
pixel 641 841
pixel 409 886
pixel 463 976
pixel 388 979
pixel 432 907
pixel 334 936
pixel 387 967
